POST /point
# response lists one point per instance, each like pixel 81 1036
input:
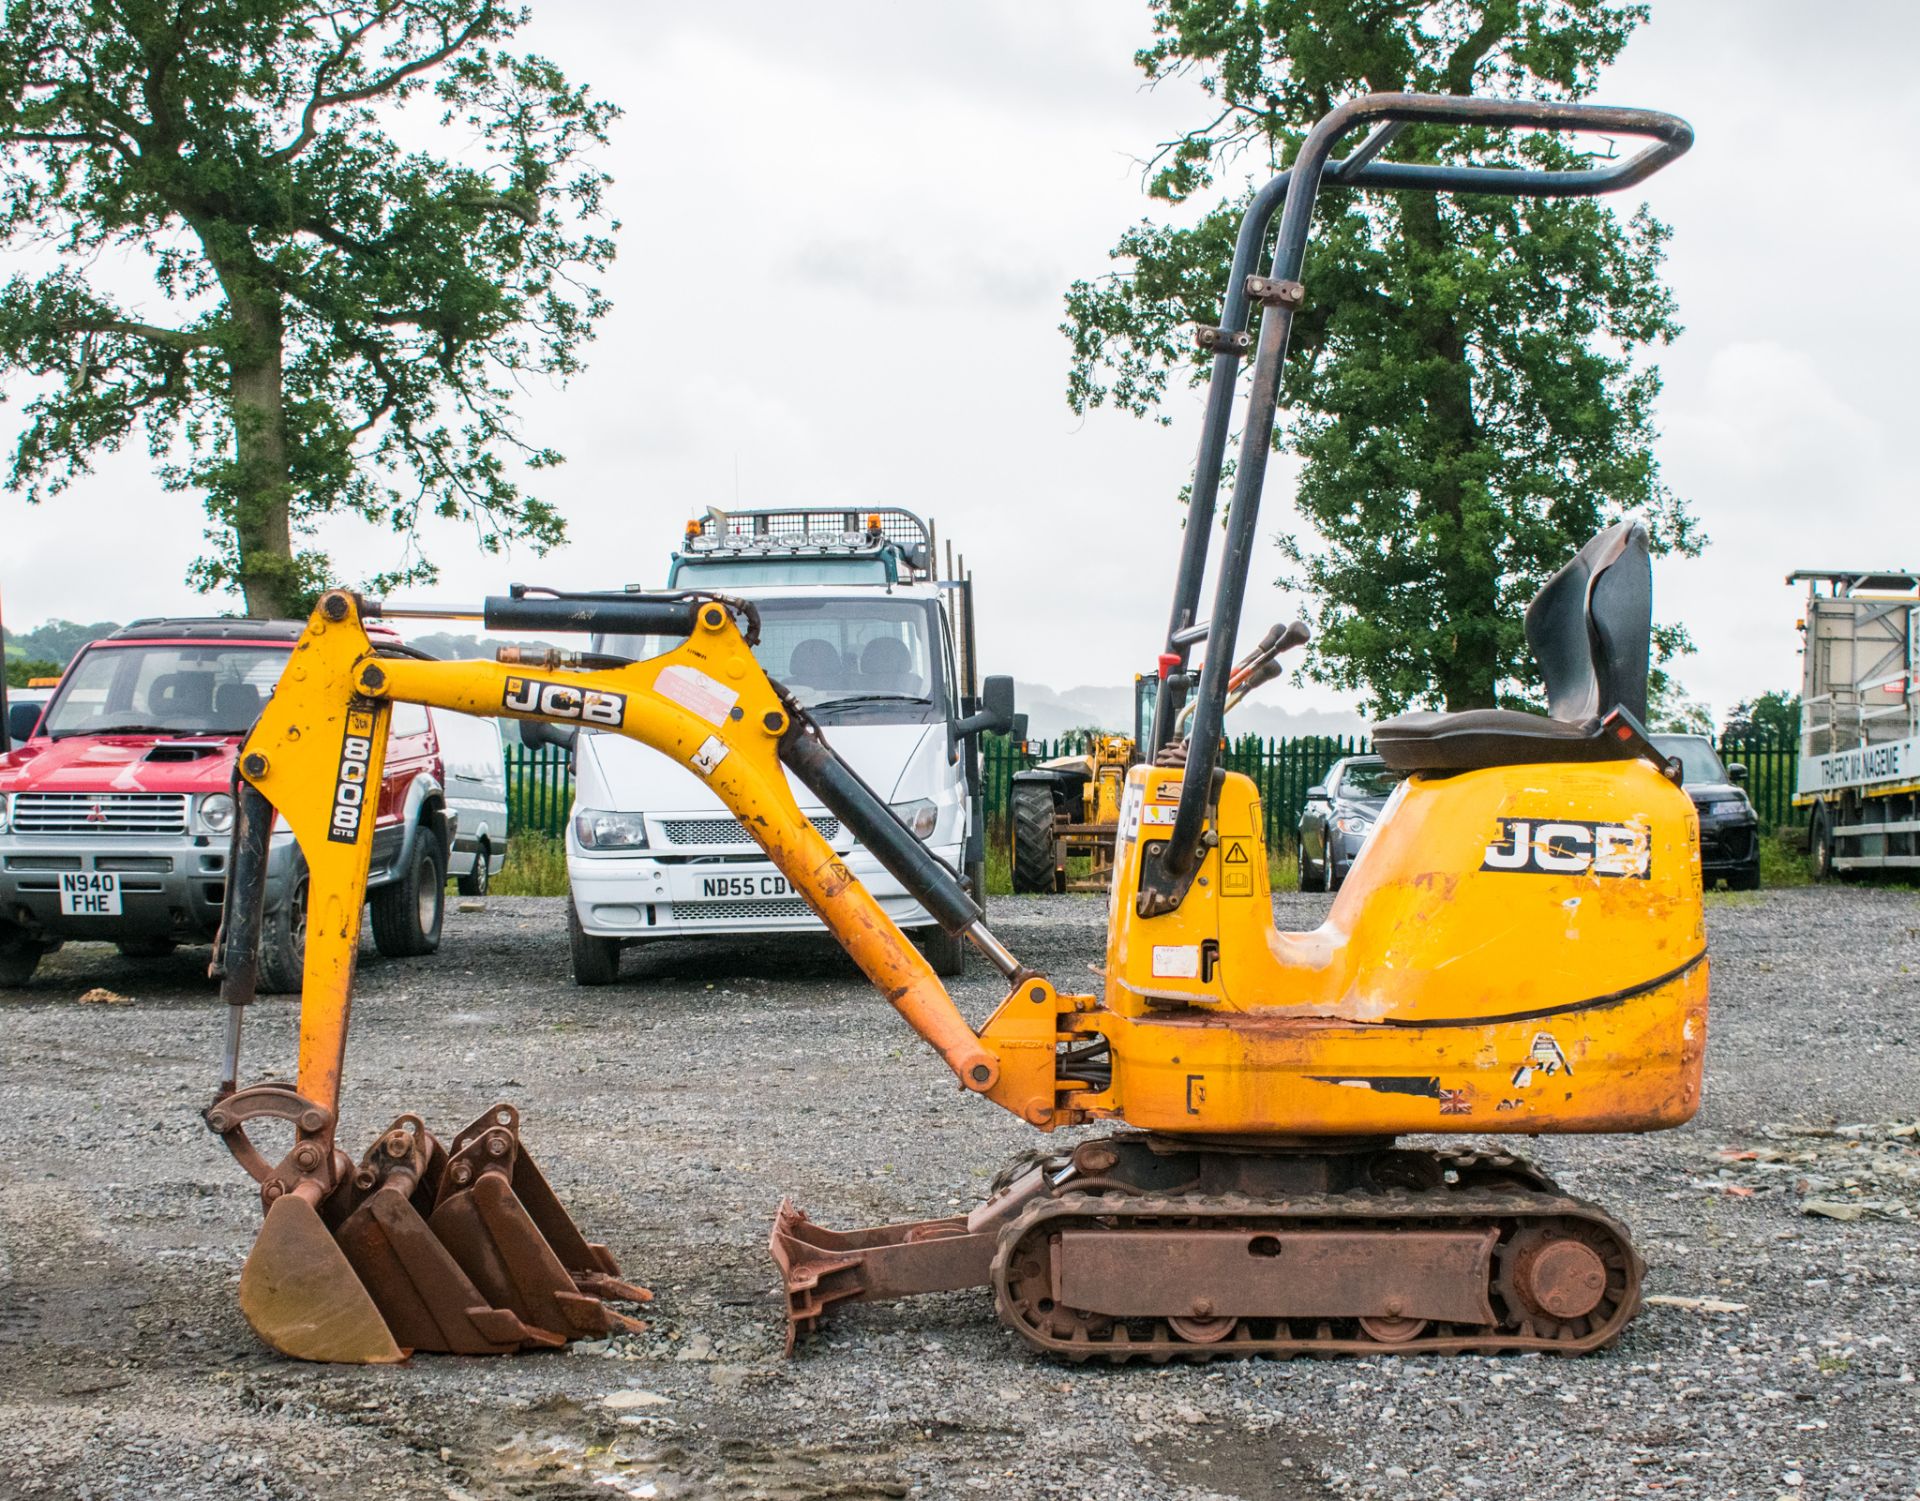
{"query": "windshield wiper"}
pixel 871 698
pixel 114 729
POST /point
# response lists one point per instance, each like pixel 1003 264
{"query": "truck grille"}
pixel 731 830
pixel 100 813
pixel 783 906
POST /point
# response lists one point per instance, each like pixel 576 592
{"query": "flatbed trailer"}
pixel 1859 773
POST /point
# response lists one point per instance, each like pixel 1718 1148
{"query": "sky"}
pixel 847 231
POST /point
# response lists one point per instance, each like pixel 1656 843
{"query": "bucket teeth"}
pixel 466 1254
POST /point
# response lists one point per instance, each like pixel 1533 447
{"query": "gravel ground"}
pixel 674 1110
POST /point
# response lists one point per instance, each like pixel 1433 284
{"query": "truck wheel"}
pixel 146 948
pixel 479 880
pixel 283 936
pixel 1820 844
pixel 946 952
pixel 596 961
pixel 1035 851
pixel 407 913
pixel 19 955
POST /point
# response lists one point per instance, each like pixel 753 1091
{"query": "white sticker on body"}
pixel 1158 817
pixel 1176 961
pixel 712 751
pixel 691 688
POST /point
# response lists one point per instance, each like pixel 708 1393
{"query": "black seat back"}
pixel 1591 627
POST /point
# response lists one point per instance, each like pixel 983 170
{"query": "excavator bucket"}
pixel 303 1297
pixel 428 1302
pixel 499 1217
pixel 415 1250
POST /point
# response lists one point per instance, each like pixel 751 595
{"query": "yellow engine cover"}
pixel 1516 949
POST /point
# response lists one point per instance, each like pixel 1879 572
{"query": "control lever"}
pixel 1259 666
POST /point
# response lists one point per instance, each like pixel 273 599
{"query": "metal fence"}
pixel 540 782
pixel 539 789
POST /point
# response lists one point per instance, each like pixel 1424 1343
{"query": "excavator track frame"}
pixel 1473 1263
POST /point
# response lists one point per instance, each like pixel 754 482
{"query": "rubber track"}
pixel 1511 1207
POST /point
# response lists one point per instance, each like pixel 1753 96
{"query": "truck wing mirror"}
pixel 535 733
pixel 1019 730
pixel 995 713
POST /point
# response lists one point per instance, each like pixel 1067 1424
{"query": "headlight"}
pixel 1353 823
pixel 920 815
pixel 610 831
pixel 216 813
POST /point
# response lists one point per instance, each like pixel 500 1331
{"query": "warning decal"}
pixel 1236 876
pixel 691 688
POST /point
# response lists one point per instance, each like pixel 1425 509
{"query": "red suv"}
pixel 116 815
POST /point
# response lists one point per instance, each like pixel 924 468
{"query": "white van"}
pixel 878 652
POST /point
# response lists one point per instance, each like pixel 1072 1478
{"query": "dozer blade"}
pixel 501 1221
pixel 428 1302
pixel 302 1296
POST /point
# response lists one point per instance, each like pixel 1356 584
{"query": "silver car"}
pixel 1339 815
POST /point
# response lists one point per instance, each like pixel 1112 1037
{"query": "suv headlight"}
pixel 596 830
pixel 1353 823
pixel 920 816
pixel 216 813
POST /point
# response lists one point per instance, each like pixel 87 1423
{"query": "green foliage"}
pixel 1774 716
pixel 1671 710
pixel 346 321
pixel 1784 860
pixel 1467 393
pixel 536 865
pixel 23 670
pixel 58 640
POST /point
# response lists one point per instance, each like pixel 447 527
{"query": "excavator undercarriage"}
pixel 1154 1248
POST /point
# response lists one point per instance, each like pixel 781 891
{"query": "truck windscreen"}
pixel 867 659
pixel 165 689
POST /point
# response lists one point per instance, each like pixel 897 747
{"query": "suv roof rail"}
pixel 224 627
pixel 817 532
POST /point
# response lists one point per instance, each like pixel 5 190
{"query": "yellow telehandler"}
pixel 1520 949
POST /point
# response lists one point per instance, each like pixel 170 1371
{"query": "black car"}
pixel 1729 828
pixel 1339 816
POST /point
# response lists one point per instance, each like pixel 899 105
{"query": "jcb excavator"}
pixel 1519 950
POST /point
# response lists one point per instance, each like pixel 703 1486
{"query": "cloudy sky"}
pixel 847 230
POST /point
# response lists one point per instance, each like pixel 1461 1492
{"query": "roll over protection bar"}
pixel 1166 876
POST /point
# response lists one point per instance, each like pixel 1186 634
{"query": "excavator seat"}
pixel 1589 628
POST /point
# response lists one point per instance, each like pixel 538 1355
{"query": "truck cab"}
pixel 116 814
pixel 878 651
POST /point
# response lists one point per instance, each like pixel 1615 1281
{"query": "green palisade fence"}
pixel 540 782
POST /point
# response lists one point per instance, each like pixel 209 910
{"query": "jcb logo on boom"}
pixel 564 701
pixel 350 783
pixel 1570 847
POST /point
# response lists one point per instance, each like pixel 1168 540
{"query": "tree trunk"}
pixel 262 527
pixel 1467 668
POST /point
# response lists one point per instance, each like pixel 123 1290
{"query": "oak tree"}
pixel 1469 395
pixel 310 250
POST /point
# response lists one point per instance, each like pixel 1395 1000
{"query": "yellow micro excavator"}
pixel 1519 950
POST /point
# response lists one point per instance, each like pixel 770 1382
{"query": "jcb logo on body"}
pixel 350 782
pixel 1570 847
pixel 564 701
